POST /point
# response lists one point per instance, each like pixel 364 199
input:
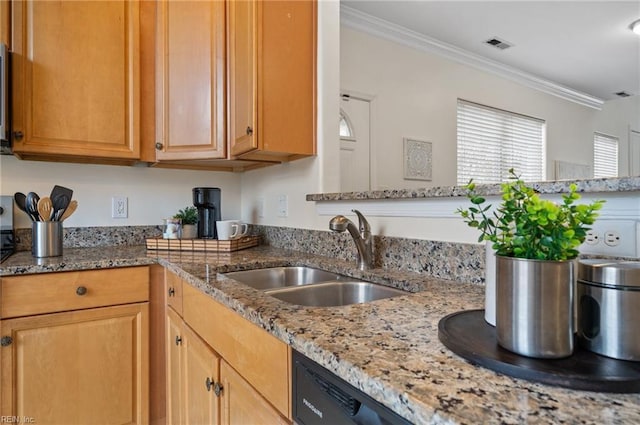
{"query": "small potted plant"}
pixel 189 217
pixel 536 243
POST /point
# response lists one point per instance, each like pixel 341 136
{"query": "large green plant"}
pixel 525 226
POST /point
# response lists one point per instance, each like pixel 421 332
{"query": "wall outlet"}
pixel 592 237
pixel 119 207
pixel 283 206
pixel 614 238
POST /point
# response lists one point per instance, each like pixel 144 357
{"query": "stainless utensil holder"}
pixel 46 239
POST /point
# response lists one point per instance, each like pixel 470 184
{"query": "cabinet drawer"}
pixel 53 292
pixel 261 359
pixel 174 291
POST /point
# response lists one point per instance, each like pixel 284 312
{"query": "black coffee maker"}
pixel 207 201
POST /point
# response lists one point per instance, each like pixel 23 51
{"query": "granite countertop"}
pixel 387 348
pixel 617 184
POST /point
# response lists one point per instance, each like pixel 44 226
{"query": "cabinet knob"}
pixel 18 135
pixel 178 340
pixel 6 341
pixel 217 389
pixel 208 383
pixel 172 292
pixel 159 146
pixel 249 131
pixel 81 290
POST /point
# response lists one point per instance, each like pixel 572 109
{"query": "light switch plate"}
pixel 283 206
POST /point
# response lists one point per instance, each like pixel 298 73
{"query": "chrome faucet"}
pixel 361 236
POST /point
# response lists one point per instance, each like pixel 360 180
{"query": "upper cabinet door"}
pixel 76 79
pixel 272 79
pixel 243 32
pixel 190 80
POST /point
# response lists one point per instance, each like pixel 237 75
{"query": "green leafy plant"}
pixel 525 226
pixel 189 215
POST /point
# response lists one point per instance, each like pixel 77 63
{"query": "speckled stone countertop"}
pixel 387 348
pixel 618 184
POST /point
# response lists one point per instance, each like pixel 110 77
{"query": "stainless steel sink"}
pixel 313 287
pixel 336 293
pixel 280 277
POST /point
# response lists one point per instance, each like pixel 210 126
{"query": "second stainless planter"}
pixel 534 306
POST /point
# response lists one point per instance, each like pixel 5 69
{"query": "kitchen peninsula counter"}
pixel 387 348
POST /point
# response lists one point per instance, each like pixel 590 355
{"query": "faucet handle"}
pixel 363 224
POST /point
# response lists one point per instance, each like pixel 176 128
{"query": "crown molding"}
pixel 364 22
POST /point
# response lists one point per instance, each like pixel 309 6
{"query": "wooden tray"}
pixel 469 336
pixel 160 244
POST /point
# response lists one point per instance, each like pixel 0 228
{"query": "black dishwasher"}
pixel 320 397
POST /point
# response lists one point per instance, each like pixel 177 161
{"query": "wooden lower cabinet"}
pixel 202 386
pixel 77 367
pixel 242 404
pixel 192 372
pixel 75 347
pixel 174 368
pixel 201 375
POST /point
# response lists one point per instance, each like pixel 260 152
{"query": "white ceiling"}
pixel 584 45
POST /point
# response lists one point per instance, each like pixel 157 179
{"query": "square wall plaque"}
pixel 417 159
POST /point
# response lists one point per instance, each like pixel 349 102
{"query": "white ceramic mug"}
pixel 227 229
pixel 243 229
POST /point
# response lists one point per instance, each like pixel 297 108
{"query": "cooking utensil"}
pixel 60 204
pixel 70 210
pixel 61 190
pixel 45 208
pixel 32 205
pixel 21 201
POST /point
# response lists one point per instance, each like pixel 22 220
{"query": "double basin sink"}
pixel 313 287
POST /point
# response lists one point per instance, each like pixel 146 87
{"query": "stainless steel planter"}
pixel 534 302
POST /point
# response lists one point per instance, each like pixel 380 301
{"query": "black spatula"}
pixel 61 190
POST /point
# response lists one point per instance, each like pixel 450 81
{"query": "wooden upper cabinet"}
pixel 242 76
pixel 272 79
pixel 190 80
pixel 76 79
pixel 5 36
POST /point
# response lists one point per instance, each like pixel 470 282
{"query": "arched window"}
pixel 346 129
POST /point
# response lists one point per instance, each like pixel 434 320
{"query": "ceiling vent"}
pixel 498 44
pixel 622 94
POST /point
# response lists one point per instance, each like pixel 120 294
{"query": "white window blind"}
pixel 491 141
pixel 605 155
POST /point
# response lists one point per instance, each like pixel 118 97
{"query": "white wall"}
pixel 321 174
pixel 616 119
pixel 153 193
pixel 415 96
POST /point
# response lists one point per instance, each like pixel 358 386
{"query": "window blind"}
pixel 491 141
pixel 605 155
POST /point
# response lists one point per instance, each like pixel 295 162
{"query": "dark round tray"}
pixel 468 335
